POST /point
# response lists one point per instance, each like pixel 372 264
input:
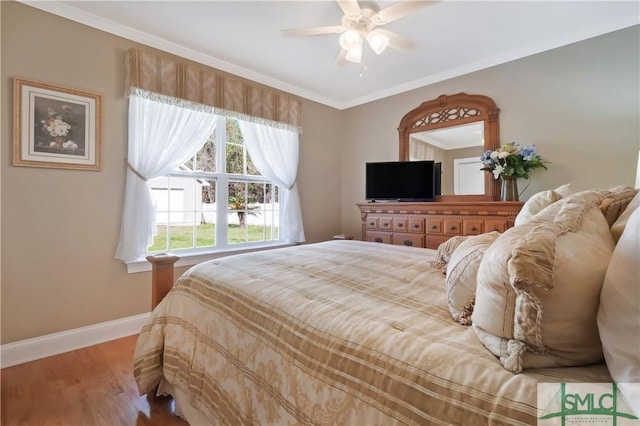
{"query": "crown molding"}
pixel 69 12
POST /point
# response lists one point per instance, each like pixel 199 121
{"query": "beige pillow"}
pixel 619 310
pixel 616 202
pixel 462 271
pixel 443 254
pixel 539 286
pixel 618 226
pixel 540 200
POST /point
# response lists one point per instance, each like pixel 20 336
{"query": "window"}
pixel 217 200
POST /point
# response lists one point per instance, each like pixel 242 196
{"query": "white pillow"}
pixel 619 310
pixel 540 200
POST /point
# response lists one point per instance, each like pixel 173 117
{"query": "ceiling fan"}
pixel 364 23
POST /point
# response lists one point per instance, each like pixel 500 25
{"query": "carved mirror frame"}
pixel 454 110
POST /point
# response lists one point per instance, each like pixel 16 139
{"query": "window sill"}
pixel 190 258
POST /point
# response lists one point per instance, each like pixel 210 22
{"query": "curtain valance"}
pixel 182 80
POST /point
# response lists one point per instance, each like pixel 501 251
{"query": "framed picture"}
pixel 55 126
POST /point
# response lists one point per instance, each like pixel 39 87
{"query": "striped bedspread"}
pixel 341 332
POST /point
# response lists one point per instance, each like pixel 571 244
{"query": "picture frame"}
pixel 56 126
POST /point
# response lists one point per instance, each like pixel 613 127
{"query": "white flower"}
pixel 494 155
pixel 70 145
pixel 496 172
pixel 504 154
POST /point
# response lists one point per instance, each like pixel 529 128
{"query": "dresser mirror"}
pixel 454 130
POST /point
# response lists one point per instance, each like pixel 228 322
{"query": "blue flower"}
pixel 512 159
pixel 528 152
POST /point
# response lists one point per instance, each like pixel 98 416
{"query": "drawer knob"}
pixel 377 239
pixel 400 225
pixel 473 228
pixel 371 223
pixel 453 228
pixel 416 226
pixel 434 227
pixel 495 229
pixel 408 242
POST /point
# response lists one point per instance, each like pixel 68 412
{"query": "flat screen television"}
pixel 401 181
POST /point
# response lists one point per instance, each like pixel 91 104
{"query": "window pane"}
pixel 206 157
pixel 251 169
pixel 235 161
pixel 206 229
pixel 237 212
pixel 234 135
pixel 160 240
pixel 181 236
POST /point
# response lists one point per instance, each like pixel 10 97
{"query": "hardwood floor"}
pixel 90 386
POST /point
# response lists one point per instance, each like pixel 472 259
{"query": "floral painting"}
pixel 56 127
pixel 59 127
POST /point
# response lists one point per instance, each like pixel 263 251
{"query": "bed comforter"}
pixel 341 332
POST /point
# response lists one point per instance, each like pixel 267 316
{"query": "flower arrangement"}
pixel 57 126
pixel 512 160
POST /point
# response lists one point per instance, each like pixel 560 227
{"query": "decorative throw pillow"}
pixel 539 286
pixel 616 202
pixel 540 200
pixel 619 310
pixel 443 254
pixel 618 226
pixel 462 271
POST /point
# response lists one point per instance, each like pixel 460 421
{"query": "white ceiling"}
pixel 451 38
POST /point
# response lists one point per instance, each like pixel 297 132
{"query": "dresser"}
pixel 423 224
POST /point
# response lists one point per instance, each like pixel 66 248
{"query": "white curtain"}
pixel 275 152
pixel 161 137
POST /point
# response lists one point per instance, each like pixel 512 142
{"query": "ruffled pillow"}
pixel 539 287
pixel 621 222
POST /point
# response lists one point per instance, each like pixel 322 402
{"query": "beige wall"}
pixel 60 228
pixel 578 104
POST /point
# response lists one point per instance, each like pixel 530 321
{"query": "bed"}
pixel 351 332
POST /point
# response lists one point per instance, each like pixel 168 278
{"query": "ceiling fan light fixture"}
pixel 354 54
pixel 377 41
pixel 350 39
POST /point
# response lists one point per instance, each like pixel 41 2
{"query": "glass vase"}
pixel 509 189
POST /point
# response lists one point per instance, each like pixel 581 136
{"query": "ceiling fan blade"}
pixel 399 10
pixel 303 32
pixel 396 40
pixel 341 59
pixel 350 7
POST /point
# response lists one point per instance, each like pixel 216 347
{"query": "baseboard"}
pixel 70 340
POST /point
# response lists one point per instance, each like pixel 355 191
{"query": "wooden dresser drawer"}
pixel 495 225
pixel 472 227
pixel 411 240
pixel 372 223
pixel 452 226
pixel 400 224
pixel 416 225
pixel 379 237
pixel 385 223
pixel 434 226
